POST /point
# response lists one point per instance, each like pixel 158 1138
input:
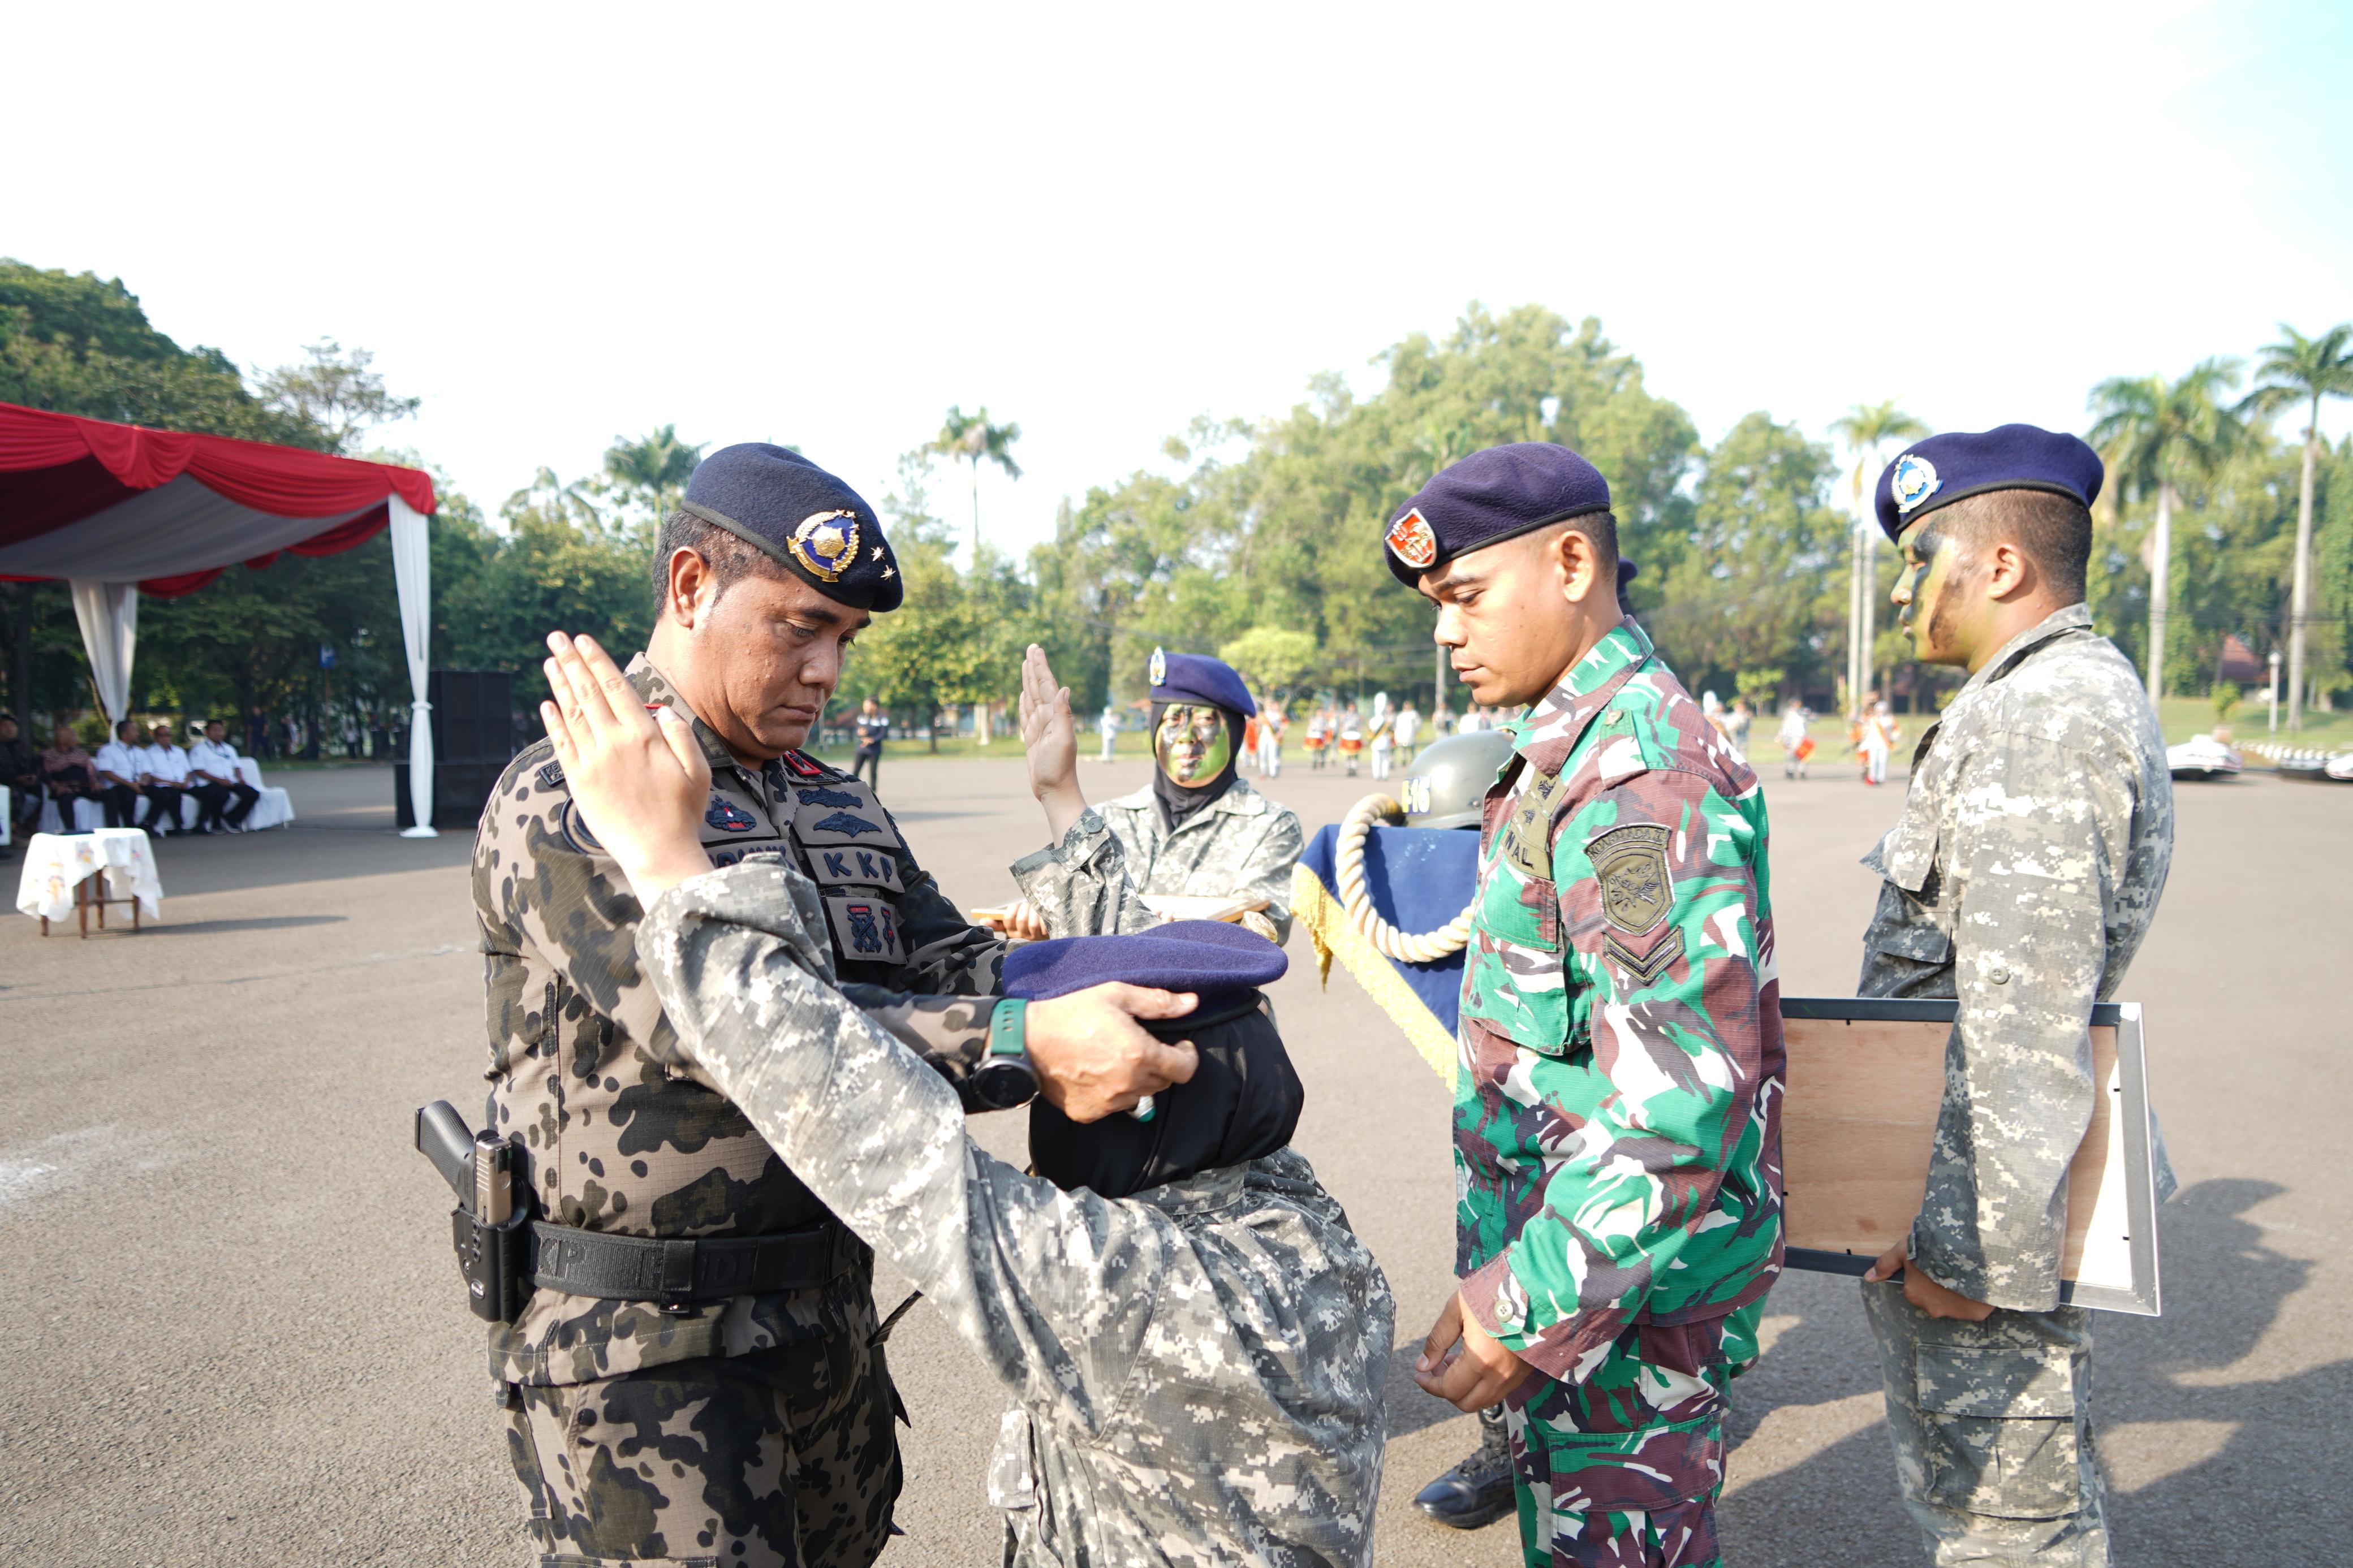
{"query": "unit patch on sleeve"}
pixel 865 930
pixel 1631 864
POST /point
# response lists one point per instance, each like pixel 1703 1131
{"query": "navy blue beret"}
pixel 1945 468
pixel 1208 957
pixel 1197 678
pixel 1489 497
pixel 821 529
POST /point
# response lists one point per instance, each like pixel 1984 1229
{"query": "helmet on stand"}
pixel 1450 779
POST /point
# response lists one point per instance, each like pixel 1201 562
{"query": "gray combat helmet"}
pixel 1450 779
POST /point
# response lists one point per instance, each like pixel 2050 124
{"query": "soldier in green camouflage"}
pixel 1617 1135
pixel 698 1374
pixel 2036 834
pixel 1195 1340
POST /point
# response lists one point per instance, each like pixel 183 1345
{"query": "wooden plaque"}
pixel 1866 1081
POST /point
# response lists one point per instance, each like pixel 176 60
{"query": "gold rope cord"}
pixel 1427 947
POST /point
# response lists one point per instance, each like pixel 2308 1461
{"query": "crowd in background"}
pixel 142 778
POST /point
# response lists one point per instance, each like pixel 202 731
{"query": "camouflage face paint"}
pixel 1926 605
pixel 1192 743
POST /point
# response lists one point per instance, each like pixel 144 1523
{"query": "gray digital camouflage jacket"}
pixel 1241 844
pixel 583 1066
pixel 2026 870
pixel 1198 1369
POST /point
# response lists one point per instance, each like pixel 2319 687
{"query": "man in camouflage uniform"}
pixel 1617 1135
pixel 1196 1339
pixel 2034 843
pixel 1197 830
pixel 742 1411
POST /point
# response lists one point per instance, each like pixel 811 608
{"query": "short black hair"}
pixel 1600 531
pixel 2056 531
pixel 731 560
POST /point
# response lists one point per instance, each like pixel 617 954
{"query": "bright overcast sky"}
pixel 823 224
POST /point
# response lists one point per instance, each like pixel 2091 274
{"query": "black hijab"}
pixel 1179 802
pixel 1242 1104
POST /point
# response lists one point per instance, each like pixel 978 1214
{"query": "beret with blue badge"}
pixel 1487 498
pixel 1197 678
pixel 1942 469
pixel 816 526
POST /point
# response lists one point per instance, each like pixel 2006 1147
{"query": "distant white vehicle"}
pixel 2204 757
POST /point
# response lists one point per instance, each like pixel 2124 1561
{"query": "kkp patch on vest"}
pixel 849 868
pixel 865 930
pixel 1631 864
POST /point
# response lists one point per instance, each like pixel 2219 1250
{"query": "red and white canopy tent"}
pixel 120 510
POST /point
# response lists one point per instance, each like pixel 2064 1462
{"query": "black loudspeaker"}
pixel 473 741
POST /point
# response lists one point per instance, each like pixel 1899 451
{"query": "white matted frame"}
pixel 1866 1082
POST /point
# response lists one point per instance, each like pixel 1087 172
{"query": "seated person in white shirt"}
pixel 163 780
pixel 119 774
pixel 214 782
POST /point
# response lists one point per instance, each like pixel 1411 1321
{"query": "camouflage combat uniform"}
pixel 1241 844
pixel 2026 870
pixel 1198 1369
pixel 752 1430
pixel 1617 1132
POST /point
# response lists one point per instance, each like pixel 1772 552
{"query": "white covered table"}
pixel 60 870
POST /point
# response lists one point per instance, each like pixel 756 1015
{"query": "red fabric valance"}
pixel 58 469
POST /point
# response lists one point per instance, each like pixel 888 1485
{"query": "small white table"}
pixel 62 873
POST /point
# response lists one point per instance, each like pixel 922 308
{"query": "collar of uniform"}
pixel 1548 731
pixel 654 689
pixel 2013 652
pixel 1240 800
pixel 1203 1192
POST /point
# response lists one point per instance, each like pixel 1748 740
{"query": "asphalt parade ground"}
pixel 238 1336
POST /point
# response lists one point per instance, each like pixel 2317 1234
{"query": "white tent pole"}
pixel 108 614
pixel 412 564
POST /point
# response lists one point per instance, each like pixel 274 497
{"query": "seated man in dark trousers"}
pixel 68 773
pixel 1193 1341
pixel 20 775
pixel 163 780
pixel 120 772
pixel 223 800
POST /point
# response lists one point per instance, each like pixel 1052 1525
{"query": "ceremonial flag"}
pixel 1416 881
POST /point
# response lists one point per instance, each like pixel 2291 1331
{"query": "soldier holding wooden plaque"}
pixel 2028 864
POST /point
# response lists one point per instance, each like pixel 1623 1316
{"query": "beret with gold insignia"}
pixel 821 530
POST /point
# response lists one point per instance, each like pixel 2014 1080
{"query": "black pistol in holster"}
pixel 490 1229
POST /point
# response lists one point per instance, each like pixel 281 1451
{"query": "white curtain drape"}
pixel 412 572
pixel 108 614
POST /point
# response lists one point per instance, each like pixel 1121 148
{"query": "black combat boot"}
pixel 1478 1492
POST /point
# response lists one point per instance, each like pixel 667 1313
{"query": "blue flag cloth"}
pixel 1419 880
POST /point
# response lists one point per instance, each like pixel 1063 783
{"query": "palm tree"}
pixel 2302 370
pixel 657 466
pixel 973 438
pixel 1865 429
pixel 2157 433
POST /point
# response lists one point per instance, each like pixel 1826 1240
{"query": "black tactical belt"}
pixel 679 1273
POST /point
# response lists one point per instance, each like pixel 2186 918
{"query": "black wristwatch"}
pixel 1005 1077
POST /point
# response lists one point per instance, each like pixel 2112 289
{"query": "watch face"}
pixel 1002 1084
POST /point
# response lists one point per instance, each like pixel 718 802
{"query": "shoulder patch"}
pixel 575 830
pixel 1631 864
pixel 802 765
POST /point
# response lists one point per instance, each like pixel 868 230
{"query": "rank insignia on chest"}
pixel 728 817
pixel 832 797
pixel 802 765
pixel 1631 864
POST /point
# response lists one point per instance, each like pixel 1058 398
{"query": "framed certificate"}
pixel 1859 1119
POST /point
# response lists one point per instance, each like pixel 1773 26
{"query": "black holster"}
pixel 494 1261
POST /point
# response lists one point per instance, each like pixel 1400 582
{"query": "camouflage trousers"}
pixel 1620 1468
pixel 1992 1425
pixel 781 1459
